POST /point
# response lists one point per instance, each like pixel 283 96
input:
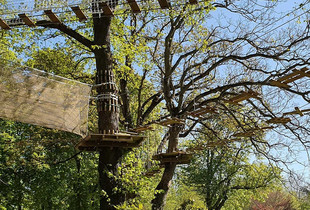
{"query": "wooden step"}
pixel 4 25
pixel 134 6
pixel 95 142
pixel 193 1
pixel 279 120
pixel 164 4
pixel 244 134
pixel 79 13
pixel 52 16
pixel 106 9
pixel 27 20
pixel 178 157
pixel 171 121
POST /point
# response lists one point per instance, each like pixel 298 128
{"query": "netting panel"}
pixel 32 96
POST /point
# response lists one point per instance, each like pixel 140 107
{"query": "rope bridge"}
pixel 31 12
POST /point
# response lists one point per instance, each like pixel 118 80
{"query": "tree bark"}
pixel 158 202
pixel 108 116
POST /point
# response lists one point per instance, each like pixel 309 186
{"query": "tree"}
pixel 275 200
pixel 218 173
pixel 204 65
pixel 194 64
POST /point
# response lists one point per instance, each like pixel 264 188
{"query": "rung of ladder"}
pixel 79 13
pixel 4 25
pixel 52 16
pixel 134 6
pixel 27 20
pixel 164 4
pixel 106 9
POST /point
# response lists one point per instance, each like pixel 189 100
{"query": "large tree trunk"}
pixel 162 188
pixel 108 116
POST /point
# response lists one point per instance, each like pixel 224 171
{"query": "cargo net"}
pixel 32 96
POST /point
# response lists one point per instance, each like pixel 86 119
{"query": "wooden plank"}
pixel 4 25
pixel 244 96
pixel 294 78
pixel 279 84
pixel 244 134
pixel 193 1
pixel 106 9
pixel 261 129
pixel 52 16
pixel 97 146
pixel 286 77
pixel 164 4
pixel 279 120
pixel 134 6
pixel 27 20
pixel 303 70
pixel 79 13
pixel 170 121
pixel 202 110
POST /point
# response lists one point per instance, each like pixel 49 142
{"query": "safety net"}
pixel 32 96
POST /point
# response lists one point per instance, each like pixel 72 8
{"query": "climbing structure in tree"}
pixel 32 96
pixel 35 13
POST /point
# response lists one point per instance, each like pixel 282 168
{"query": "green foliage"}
pixel 221 173
pixel 183 197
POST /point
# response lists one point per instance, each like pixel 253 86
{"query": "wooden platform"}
pixel 152 172
pixel 201 111
pixel 244 134
pixel 170 121
pixel 95 142
pixel 282 82
pixel 261 129
pixel 142 128
pixel 213 144
pixel 179 157
pixel 279 120
pixel 242 96
pixel 297 111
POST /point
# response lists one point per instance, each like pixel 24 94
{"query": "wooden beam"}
pixel 279 120
pixel 106 9
pixel 193 1
pixel 27 20
pixel 134 6
pixel 279 84
pixel 79 13
pixel 164 4
pixel 4 25
pixel 52 16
